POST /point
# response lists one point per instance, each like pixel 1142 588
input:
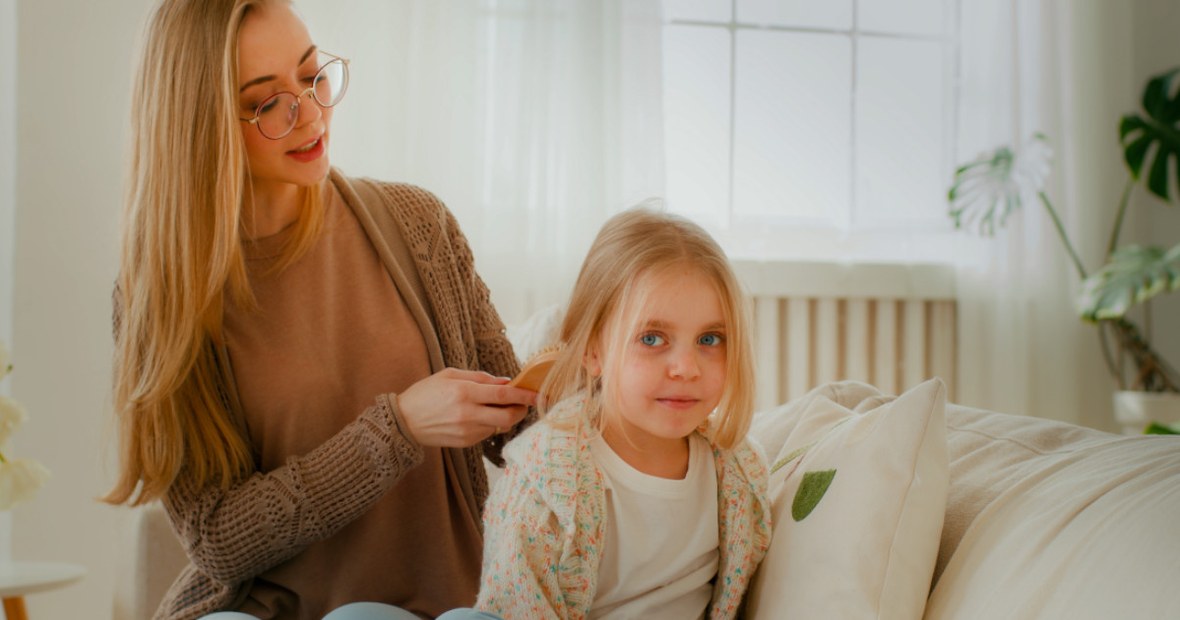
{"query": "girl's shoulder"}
pixel 745 459
pixel 560 434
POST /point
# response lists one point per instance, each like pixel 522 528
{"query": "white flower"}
pixel 19 478
pixel 19 481
pixel 12 415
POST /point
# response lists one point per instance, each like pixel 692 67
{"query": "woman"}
pixel 308 370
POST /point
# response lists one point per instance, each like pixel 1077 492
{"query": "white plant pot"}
pixel 1135 410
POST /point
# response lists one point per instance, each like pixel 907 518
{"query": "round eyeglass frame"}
pixel 310 90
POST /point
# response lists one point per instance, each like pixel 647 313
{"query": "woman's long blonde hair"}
pixel 182 254
pixel 632 248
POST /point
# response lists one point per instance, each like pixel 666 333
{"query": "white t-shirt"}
pixel 662 543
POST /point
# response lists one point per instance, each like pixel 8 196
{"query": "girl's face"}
pixel 671 375
pixel 275 54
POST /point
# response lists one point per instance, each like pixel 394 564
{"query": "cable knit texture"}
pixel 544 523
pixel 231 536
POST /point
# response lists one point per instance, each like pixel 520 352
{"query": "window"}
pixel 812 129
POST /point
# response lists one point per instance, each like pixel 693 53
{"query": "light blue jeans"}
pixel 369 611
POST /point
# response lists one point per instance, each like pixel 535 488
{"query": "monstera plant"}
pixel 987 190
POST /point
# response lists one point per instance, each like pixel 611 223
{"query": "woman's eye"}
pixel 651 340
pixel 268 105
pixel 710 340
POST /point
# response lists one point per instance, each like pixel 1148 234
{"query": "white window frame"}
pixel 931 239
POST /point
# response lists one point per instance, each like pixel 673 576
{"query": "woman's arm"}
pixel 235 534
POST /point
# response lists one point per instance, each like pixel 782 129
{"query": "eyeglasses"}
pixel 278 114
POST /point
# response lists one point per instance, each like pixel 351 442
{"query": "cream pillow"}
pixel 1052 520
pixel 858 488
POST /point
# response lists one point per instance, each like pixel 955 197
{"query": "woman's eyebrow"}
pixel 267 78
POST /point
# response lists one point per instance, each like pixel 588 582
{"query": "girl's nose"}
pixel 683 365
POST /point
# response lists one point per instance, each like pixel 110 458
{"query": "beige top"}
pixel 331 332
pixel 661 546
pixel 269 539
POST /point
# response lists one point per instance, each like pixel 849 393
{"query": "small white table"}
pixel 20 578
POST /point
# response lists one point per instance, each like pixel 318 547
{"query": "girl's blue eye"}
pixel 710 340
pixel 651 340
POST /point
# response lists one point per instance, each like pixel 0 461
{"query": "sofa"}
pixel 925 509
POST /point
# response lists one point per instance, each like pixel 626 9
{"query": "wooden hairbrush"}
pixel 536 369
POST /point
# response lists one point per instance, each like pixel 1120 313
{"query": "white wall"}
pixel 74 77
pixel 7 196
pixel 7 165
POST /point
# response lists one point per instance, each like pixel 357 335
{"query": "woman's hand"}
pixel 456 408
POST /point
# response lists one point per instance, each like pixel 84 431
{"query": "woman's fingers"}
pixel 459 408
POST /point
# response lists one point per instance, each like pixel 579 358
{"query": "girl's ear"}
pixel 592 362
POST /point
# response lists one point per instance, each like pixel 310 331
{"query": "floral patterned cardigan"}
pixel 545 520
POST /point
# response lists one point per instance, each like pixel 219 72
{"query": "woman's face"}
pixel 275 54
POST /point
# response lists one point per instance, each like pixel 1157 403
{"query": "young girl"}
pixel 308 370
pixel 638 495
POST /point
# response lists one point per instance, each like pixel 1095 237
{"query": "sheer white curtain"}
pixel 534 120
pixel 1058 67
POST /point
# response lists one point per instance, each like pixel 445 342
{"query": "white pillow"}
pixel 1058 521
pixel 538 331
pixel 857 498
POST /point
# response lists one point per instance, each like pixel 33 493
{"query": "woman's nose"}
pixel 309 110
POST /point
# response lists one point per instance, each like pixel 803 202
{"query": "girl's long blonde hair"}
pixel 633 247
pixel 182 254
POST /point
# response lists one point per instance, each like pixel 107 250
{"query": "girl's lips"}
pixel 312 154
pixel 678 403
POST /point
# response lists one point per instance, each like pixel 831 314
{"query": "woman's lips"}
pixel 308 152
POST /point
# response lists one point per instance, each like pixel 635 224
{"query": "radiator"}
pixel 892 326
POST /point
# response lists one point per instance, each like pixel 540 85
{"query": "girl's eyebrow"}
pixel 267 78
pixel 658 324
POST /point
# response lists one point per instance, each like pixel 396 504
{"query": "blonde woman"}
pixel 308 370
pixel 637 495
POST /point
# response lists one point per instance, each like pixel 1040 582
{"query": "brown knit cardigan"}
pixel 231 536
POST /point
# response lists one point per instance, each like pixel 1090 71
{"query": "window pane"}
pixel 698 10
pixel 900 131
pixel 792 126
pixel 835 14
pixel 922 17
pixel 696 122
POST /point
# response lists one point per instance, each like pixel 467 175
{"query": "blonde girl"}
pixel 308 371
pixel 638 495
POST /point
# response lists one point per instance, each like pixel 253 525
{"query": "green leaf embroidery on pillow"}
pixel 796 453
pixel 811 490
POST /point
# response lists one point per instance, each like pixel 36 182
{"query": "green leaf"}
pixel 1155 428
pixel 812 489
pixel 1135 153
pixel 1160 127
pixel 1134 275
pixel 794 454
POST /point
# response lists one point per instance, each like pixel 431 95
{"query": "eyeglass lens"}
pixel 279 113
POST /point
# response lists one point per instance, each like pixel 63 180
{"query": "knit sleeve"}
pixel 522 553
pixel 235 534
